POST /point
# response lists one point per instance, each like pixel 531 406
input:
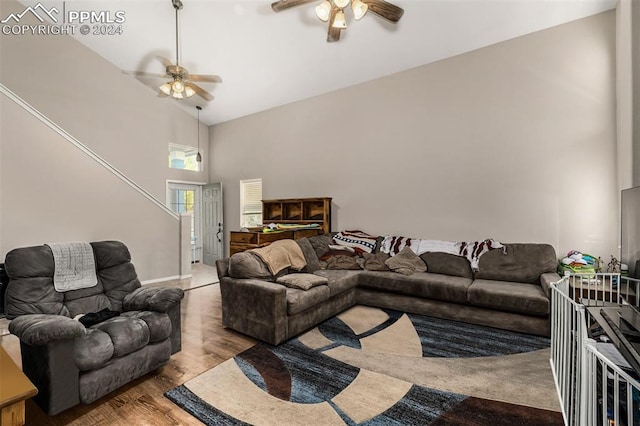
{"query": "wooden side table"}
pixel 15 388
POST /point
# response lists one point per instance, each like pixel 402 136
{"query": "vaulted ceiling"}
pixel 267 59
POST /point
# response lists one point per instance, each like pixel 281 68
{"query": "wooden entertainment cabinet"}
pixel 303 211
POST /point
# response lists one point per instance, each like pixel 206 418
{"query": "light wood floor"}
pixel 205 344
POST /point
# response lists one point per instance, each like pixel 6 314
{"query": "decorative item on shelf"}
pixel 333 11
pixel 613 266
pixel 578 263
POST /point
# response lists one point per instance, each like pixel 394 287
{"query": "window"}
pixel 185 199
pixel 183 157
pixel 250 202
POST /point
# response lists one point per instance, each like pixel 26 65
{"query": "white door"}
pixel 185 198
pixel 212 224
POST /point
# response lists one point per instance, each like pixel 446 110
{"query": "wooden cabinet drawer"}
pixel 301 233
pixel 244 237
pixel 270 237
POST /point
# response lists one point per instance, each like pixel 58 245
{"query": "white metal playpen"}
pixel 593 387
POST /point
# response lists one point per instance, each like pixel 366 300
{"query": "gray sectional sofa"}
pixel 510 290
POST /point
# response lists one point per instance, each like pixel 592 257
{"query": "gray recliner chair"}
pixel 70 363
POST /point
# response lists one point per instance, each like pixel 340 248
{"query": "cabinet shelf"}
pixel 304 211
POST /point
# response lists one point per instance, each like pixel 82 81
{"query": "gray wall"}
pixel 635 48
pixel 516 141
pixel 113 114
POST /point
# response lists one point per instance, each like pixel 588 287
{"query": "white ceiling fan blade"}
pixel 200 91
pixel 144 74
pixel 205 78
pixel 166 62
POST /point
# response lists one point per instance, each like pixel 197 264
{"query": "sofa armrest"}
pixel 545 282
pixel 42 329
pixel 255 307
pixel 152 299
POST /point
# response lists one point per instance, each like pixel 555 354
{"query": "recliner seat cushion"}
pixel 421 284
pixel 159 323
pixel 86 300
pixel 92 350
pixel 509 296
pixel 127 334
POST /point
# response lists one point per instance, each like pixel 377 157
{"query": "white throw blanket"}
pixel 440 246
pixel 393 245
pixel 472 250
pixel 75 266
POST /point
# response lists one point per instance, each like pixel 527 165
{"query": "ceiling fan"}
pixel 182 84
pixel 332 11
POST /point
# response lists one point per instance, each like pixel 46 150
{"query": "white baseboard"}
pixel 159 280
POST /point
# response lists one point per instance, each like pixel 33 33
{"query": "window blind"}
pixel 251 196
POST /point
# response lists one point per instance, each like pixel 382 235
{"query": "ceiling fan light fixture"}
pixel 177 95
pixel 341 3
pixel 188 91
pixel 339 21
pixel 198 156
pixel 323 10
pixel 359 9
pixel 177 86
pixel 166 88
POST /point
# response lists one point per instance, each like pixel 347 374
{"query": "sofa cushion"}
pixel 509 296
pixel 420 284
pixel 320 244
pixel 300 300
pixel 92 350
pixel 127 334
pixel 248 265
pixel 375 261
pixel 447 264
pixel 343 262
pixel 523 263
pixel 302 281
pixel 406 262
pixel 310 256
pixel 159 323
pixel 339 281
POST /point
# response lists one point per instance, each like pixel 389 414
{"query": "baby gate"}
pixel 592 388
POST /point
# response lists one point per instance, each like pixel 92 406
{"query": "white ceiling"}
pixel 267 59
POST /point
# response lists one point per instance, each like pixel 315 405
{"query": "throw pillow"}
pixel 302 281
pixel 375 261
pixel 320 244
pixel 342 262
pixel 340 252
pixel 313 262
pixel 406 262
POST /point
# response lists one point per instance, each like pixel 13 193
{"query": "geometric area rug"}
pixel 372 366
